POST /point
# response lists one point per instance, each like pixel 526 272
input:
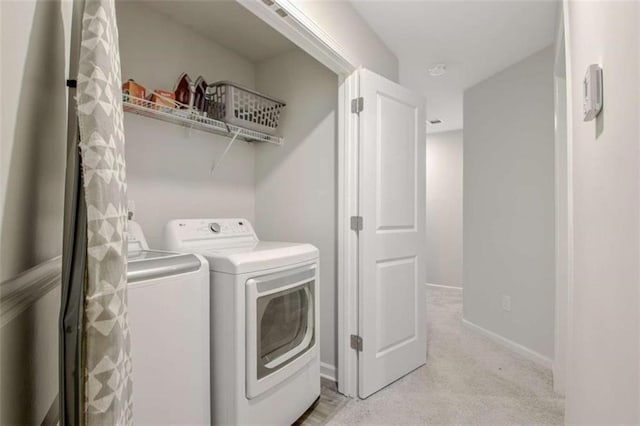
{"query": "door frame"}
pixel 287 18
pixel 563 205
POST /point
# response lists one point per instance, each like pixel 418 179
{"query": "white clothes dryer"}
pixel 265 363
pixel 168 298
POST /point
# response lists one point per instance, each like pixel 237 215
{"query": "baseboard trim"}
pixel 511 345
pixel 328 371
pixel 20 292
pixel 452 287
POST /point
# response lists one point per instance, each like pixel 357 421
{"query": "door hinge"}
pixel 357 105
pixel 356 223
pixel 356 343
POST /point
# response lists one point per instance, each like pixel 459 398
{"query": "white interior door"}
pixel 392 191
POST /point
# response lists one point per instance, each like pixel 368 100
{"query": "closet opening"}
pixel 288 192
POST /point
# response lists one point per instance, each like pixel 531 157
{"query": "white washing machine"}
pixel 168 296
pixel 265 363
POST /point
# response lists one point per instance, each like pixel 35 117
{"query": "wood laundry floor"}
pixel 467 380
pixel 329 403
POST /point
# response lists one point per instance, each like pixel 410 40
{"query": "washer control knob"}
pixel 214 227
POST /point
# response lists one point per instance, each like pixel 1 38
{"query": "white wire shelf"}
pixel 192 119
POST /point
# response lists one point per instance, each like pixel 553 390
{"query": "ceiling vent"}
pixel 436 70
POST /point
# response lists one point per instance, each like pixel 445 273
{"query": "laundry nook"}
pixel 225 148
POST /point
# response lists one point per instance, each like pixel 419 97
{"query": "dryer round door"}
pixel 281 326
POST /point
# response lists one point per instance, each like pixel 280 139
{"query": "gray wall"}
pixel 34 39
pixel 509 240
pixel 444 208
pixel 296 185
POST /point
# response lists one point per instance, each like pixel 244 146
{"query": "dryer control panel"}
pixel 191 234
pixel 230 227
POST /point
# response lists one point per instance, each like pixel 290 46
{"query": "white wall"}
pixel 29 362
pixel 34 43
pixel 296 185
pixel 509 241
pixel 604 355
pixel 168 166
pixel 444 208
pixel 341 21
pixel 34 129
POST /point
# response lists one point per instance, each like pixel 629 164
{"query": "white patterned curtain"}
pixel 98 376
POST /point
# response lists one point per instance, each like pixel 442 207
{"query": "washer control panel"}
pixel 135 237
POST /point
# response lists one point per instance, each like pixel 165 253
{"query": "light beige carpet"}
pixel 467 379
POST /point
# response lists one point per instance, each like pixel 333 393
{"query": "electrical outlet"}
pixel 506 303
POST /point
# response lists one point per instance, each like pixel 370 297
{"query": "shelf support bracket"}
pixel 217 163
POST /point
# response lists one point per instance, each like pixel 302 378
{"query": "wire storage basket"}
pixel 237 105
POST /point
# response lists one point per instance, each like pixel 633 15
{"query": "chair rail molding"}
pixel 20 292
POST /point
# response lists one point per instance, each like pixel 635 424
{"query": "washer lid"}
pixel 259 256
pixel 149 264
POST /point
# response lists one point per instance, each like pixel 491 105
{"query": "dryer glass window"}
pixel 285 327
pixel 284 323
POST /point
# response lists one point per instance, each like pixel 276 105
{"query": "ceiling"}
pixel 227 23
pixel 474 38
